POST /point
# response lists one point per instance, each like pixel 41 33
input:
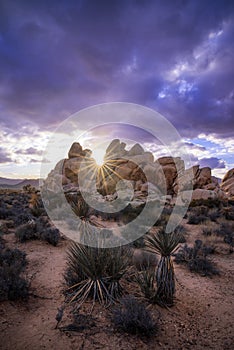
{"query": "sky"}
pixel 59 57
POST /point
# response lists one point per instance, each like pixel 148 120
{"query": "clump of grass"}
pixel 195 258
pixel 12 265
pixel 95 272
pixel 132 317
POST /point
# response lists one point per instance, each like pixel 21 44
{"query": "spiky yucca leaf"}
pixel 163 243
pixel 95 272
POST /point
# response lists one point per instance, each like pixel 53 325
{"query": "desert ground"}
pixel 202 316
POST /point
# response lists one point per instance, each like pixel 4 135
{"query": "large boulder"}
pixel 75 150
pixel 196 178
pixel 202 177
pixel 227 184
pixel 171 166
pixel 116 149
pixel 175 162
pixel 136 150
pixel 199 194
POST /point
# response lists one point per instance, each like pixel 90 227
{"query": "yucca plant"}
pixel 164 244
pixel 146 282
pixel 78 204
pixel 95 272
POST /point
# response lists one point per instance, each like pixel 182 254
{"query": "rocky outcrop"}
pixel 227 184
pixel 199 194
pixel 201 178
pixel 164 176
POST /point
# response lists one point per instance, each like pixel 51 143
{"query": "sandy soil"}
pixel 201 319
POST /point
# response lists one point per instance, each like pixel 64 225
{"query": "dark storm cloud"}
pixel 57 57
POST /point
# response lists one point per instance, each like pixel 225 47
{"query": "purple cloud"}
pixel 212 162
pixel 60 57
pixel 29 151
pixel 4 156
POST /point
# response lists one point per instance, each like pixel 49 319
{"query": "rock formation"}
pixel 227 184
pixel 166 175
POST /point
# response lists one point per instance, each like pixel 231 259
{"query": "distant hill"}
pixel 18 183
pixel 5 181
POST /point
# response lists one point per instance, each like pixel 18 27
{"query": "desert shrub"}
pixel 226 231
pixel 51 235
pixel 229 240
pixel 5 213
pixel 95 272
pixel 132 317
pixel 210 203
pixel 12 264
pixel 228 213
pixel 213 215
pixel 22 218
pixel 202 266
pixel 29 188
pixel 36 205
pixel 207 231
pixel 27 232
pixel 194 219
pixel 195 258
pixel 38 229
